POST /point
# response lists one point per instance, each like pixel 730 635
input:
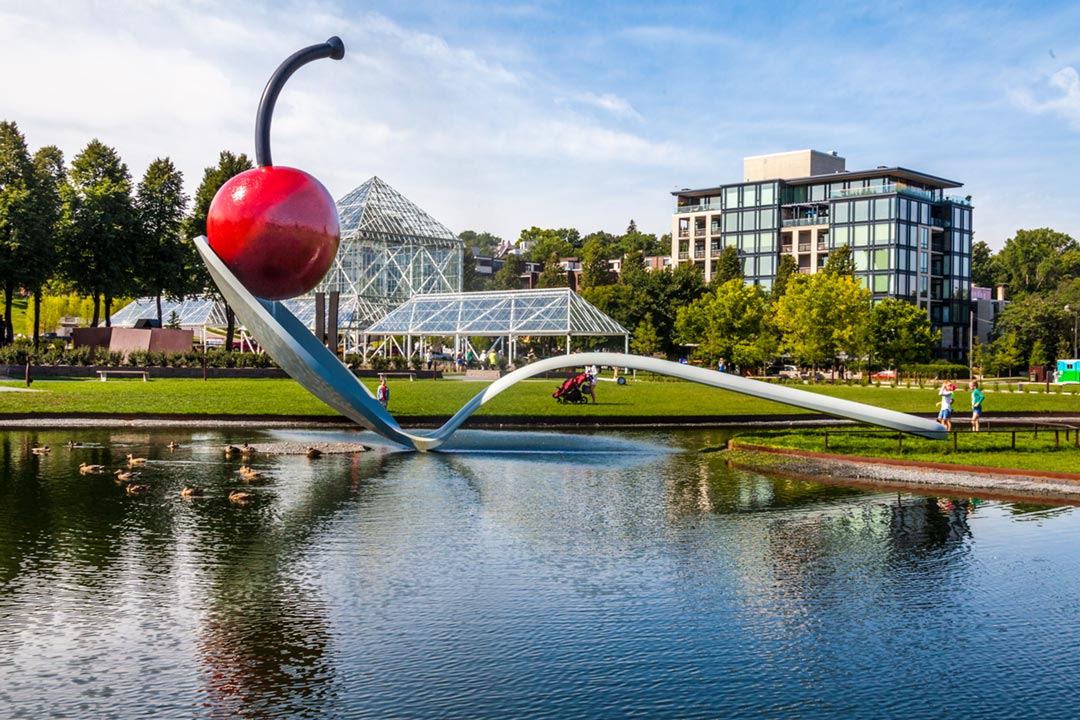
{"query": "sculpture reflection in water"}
pixel 318 369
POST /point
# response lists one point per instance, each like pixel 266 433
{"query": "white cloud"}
pixel 1058 94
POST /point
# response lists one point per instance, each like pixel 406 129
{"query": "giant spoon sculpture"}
pixel 273 233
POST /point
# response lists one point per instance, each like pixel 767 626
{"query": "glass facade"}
pixel 908 239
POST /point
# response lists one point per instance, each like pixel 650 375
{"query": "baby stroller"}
pixel 570 391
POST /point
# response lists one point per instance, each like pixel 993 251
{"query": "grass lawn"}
pixel 983 449
pixel 442 398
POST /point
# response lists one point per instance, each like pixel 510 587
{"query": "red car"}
pixel 884 375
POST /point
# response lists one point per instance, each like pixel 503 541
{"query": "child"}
pixel 976 404
pixel 383 393
pixel 945 414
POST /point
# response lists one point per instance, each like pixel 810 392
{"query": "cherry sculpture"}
pixel 276 228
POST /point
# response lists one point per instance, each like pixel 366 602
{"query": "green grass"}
pixel 983 449
pixel 441 398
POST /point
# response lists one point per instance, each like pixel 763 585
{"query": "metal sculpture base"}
pixel 314 366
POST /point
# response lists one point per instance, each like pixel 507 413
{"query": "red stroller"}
pixel 570 391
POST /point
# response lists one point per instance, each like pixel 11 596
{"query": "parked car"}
pixel 790 371
pixel 884 375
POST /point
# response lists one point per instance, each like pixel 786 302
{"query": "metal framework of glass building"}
pixel 390 251
pixel 197 314
pixel 509 314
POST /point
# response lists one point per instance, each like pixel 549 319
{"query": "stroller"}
pixel 570 391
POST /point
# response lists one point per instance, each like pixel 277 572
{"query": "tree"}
pixel 1035 261
pixel 1007 354
pixel 728 267
pixel 553 276
pixel 101 227
pixel 508 277
pixel 161 203
pixel 727 323
pixel 840 262
pixel 786 268
pixel 540 243
pixel 51 177
pixel 228 166
pixel 471 281
pixel 982 265
pixel 646 340
pixel 483 242
pixel 822 315
pixel 595 270
pixel 900 333
pixel 1033 318
pixel 16 216
pixel 645 243
pixel 1038 355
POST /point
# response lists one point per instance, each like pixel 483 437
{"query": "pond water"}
pixel 614 575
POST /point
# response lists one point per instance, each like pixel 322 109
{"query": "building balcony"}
pixel 886 190
pixel 682 209
pixel 699 254
pixel 684 255
pixel 700 232
pixel 785 247
pixel 804 247
pixel 684 233
pixel 801 222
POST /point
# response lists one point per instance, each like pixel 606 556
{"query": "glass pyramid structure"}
pixel 390 251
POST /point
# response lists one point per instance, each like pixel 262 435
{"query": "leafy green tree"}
pixel 645 243
pixel 1038 355
pixel 727 323
pixel 229 165
pixel 542 242
pixel 980 356
pixel 1035 261
pixel 101 227
pixel 471 280
pixel 900 333
pixel 1032 318
pixel 16 216
pixel 645 339
pixel 1007 353
pixel 483 242
pixel 728 267
pixel 822 315
pixel 161 204
pixel 595 270
pixel 840 262
pixel 982 265
pixel 553 275
pixel 51 177
pixel 784 270
pixel 508 277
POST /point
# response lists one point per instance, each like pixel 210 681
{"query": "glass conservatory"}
pixel 505 315
pixel 390 251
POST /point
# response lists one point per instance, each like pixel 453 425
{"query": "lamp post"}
pixel 1076 313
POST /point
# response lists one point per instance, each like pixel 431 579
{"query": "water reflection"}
pixel 645 579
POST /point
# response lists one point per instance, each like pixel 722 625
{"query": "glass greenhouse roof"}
pixel 193 313
pixel 375 207
pixel 558 311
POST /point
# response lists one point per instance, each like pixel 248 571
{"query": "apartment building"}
pixel 909 239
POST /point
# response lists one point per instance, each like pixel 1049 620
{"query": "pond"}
pixel 611 575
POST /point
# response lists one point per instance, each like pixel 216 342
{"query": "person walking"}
pixel 383 393
pixel 945 413
pixel 977 398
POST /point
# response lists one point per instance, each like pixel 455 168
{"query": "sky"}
pixel 499 116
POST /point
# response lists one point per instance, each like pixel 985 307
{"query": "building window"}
pixel 860 235
pixel 841 212
pixel 768 193
pixel 881 259
pixel 881 283
pixel 766 264
pixel 860 211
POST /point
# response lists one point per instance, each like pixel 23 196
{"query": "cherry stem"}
pixel 332 48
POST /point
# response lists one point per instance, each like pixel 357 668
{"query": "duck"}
pixel 43 450
pixel 247 451
pixel 314 453
pixel 241 497
pixel 173 444
pixel 74 444
pixel 231 451
pixel 134 461
pixel 190 492
pixel 91 469
pixel 125 475
pixel 248 474
pixel 134 489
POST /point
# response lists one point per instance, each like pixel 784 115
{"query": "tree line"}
pixel 1040 271
pixel 87 228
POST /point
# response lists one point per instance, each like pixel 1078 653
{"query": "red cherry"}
pixel 276 228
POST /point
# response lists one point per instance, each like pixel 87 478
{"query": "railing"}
pixel 699 254
pixel 785 247
pixel 885 190
pixel 695 208
pixel 684 233
pixel 699 232
pixel 1071 432
pixel 957 200
pixel 804 247
pixel 799 222
pixel 684 255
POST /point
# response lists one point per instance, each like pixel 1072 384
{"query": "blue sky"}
pixel 500 116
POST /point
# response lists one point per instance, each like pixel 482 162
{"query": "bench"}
pixel 410 375
pixel 103 374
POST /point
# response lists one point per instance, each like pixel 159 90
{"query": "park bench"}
pixel 410 375
pixel 103 374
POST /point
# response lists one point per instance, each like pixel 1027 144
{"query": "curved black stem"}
pixel 332 48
